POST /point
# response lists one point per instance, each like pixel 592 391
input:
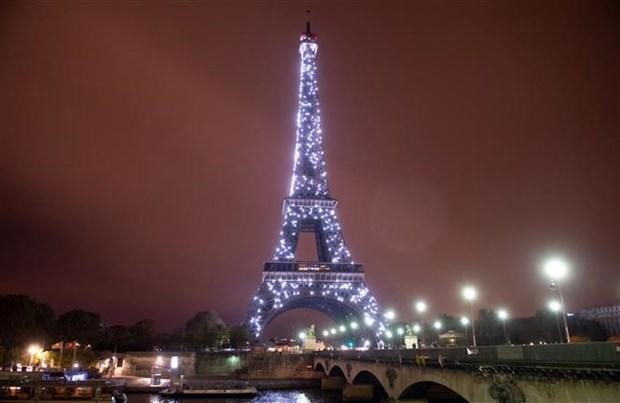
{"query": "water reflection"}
pixel 269 396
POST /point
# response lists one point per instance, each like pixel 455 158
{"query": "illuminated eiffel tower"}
pixel 334 284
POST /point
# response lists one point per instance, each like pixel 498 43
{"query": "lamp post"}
pixel 556 269
pixel 470 294
pixel 465 323
pixel 502 314
pixel 555 307
pixel 420 308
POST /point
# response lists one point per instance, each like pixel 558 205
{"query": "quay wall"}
pixel 220 364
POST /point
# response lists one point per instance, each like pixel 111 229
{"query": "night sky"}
pixel 146 148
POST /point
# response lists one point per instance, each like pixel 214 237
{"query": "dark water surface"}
pixel 266 396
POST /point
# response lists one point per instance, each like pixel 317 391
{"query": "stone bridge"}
pixel 588 372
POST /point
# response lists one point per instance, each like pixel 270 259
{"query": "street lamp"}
pixel 470 294
pixel 556 269
pixel 465 323
pixel 502 314
pixel 354 325
pixel 302 335
pixel 390 314
pixel 32 350
pixel 437 325
pixel 555 307
pixel 325 333
pixel 421 307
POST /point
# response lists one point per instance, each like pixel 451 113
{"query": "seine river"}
pixel 267 396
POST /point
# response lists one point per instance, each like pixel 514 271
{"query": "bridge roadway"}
pixel 562 373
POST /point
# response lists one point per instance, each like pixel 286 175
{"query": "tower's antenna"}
pixel 308 32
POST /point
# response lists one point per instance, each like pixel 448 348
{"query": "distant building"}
pixel 608 316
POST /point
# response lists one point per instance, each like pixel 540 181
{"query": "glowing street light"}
pixel 325 333
pixel 416 328
pixel 333 330
pixel 555 307
pixel 390 314
pixel 354 325
pixel 368 321
pixel 437 325
pixel 421 307
pixel 470 294
pixel 32 350
pixel 302 335
pixel 400 331
pixel 556 269
pixel 388 334
pixel 502 314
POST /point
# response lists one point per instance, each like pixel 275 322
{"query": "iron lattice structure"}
pixel 334 284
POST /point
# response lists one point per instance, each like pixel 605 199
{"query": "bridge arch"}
pixel 365 377
pixel 335 370
pixel 319 367
pixel 431 391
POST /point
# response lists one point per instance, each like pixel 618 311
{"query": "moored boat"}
pixel 32 388
pixel 243 391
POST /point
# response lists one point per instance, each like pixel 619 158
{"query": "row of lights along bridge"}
pixel 555 269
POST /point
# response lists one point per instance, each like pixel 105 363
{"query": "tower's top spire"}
pixel 308 32
pixel 308 36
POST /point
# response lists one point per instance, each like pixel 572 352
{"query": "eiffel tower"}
pixel 334 284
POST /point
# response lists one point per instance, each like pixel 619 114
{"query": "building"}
pixel 608 316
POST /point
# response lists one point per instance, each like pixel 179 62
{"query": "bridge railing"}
pixel 585 354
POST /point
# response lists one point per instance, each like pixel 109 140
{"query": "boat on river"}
pixel 32 387
pixel 184 392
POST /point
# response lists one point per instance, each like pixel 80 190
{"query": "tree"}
pixel 449 322
pixel 544 326
pixel 205 330
pixel 85 327
pixel 116 338
pixel 239 336
pixel 142 335
pixel 23 320
pixel 489 329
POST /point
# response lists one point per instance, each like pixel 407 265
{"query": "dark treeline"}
pixel 24 321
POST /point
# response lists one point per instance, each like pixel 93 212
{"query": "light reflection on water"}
pixel 268 396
